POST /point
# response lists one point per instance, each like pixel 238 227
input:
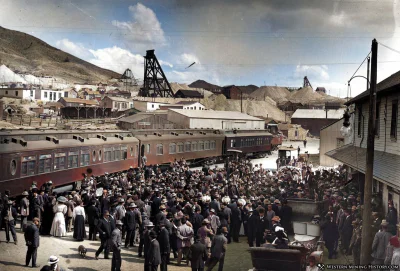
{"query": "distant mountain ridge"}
pixel 27 54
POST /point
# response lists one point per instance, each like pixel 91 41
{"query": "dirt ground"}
pixel 12 257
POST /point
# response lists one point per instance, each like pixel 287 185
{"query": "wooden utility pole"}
pixel 366 239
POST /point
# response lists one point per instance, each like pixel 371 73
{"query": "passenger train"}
pixel 65 161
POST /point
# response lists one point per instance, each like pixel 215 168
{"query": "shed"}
pixel 314 119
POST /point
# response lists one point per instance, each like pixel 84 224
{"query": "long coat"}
pixel 153 256
pixel 163 240
pixel 198 255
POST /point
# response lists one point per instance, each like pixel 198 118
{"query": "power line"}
pixel 394 50
pixel 360 65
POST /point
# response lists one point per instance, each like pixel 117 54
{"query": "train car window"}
pixel 160 150
pixel 188 146
pixel 194 146
pixel 13 167
pixel 44 163
pixel 201 145
pixel 59 160
pixel 73 159
pixel 136 150
pixel 172 148
pixel 94 155
pixel 28 165
pixel 100 155
pixel 131 148
pixel 124 152
pixel 212 145
pixel 148 148
pixel 107 154
pixel 117 153
pixel 233 143
pixel 180 147
pixel 206 145
pixel 85 157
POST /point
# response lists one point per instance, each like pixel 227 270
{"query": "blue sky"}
pixel 272 42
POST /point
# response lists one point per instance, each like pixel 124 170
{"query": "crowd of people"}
pixel 192 214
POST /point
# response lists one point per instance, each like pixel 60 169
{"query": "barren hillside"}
pixel 25 53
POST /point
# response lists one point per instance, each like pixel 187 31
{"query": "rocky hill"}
pixel 25 53
pixel 204 85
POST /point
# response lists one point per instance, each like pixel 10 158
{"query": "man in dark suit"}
pixel 252 222
pixel 262 226
pixel 130 225
pixel 197 255
pixel 153 257
pixel 93 214
pixel 105 204
pixel 197 220
pixel 155 205
pixel 330 234
pixel 32 242
pixel 286 216
pixel 116 246
pixel 347 231
pixel 165 250
pixel 104 228
pixel 9 217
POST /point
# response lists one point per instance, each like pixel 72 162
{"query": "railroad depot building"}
pixel 209 119
pixel 387 141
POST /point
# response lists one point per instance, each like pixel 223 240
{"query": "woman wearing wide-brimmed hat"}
pixel 58 227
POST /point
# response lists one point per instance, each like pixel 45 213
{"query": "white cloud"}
pixel 117 59
pixel 145 28
pixel 165 63
pixel 320 72
pixel 76 49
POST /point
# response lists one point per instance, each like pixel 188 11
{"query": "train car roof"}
pixel 249 134
pixel 63 143
pixel 23 132
pixel 179 137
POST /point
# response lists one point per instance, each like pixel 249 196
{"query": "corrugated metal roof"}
pixel 63 143
pixel 318 114
pixel 386 165
pixel 210 114
pixel 179 137
pixel 80 101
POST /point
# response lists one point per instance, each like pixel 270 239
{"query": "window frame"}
pixel 394 119
pixel 188 149
pixel 73 154
pixel 44 165
pixel 180 147
pixel 201 145
pixel 359 121
pixel 84 158
pixel 194 146
pixel 57 158
pixel 27 162
pixel 206 145
pixel 158 148
pixel 172 148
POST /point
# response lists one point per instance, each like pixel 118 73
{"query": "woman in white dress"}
pixel 79 222
pixel 58 227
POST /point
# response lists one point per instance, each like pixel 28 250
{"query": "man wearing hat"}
pixel 120 212
pixel 252 222
pixel 380 243
pixel 146 241
pixel 330 234
pixel 197 255
pixel 32 242
pixel 153 257
pixel 214 220
pixel 116 243
pixel 53 261
pixel 130 225
pixel 24 205
pixel 262 226
pixel 9 217
pixel 347 230
pixel 355 242
pixel 104 228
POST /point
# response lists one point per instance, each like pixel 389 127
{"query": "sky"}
pixel 261 42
